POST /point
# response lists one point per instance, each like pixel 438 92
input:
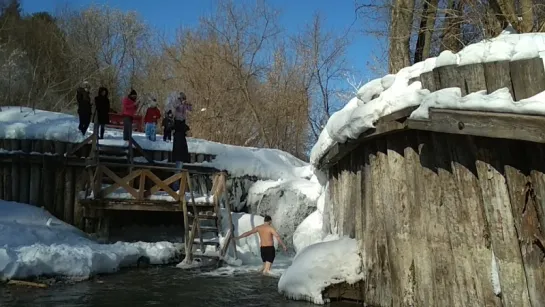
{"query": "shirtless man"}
pixel 266 233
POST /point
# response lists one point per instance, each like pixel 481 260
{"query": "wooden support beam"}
pixel 486 124
pixel 131 205
pixel 195 211
pixel 161 185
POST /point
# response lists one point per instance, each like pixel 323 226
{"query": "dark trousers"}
pixel 84 122
pixel 127 127
pixel 101 128
pixel 167 135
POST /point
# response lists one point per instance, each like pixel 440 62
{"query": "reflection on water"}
pixel 164 286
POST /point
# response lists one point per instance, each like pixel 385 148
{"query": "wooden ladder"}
pixel 195 230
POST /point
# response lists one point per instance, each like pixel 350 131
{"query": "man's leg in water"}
pixel 267 268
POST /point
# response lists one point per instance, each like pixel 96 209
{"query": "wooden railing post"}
pixel 195 211
pixel 229 216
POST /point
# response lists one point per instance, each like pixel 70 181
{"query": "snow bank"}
pixel 392 93
pixel 319 266
pixel 25 123
pixel 34 243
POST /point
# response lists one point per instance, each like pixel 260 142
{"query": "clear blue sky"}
pixel 167 15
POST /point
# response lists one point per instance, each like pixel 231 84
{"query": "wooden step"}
pixel 206 228
pixel 210 242
pixel 204 217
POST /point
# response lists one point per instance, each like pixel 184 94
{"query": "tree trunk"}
pixel 452 34
pixel 400 35
pixel 527 13
pixel 425 33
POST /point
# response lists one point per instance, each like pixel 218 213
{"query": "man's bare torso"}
pixel 266 234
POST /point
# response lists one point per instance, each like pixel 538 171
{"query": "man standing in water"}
pixel 266 233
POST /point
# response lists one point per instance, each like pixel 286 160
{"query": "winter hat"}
pixel 133 93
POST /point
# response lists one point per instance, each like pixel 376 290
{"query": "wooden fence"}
pixel 439 206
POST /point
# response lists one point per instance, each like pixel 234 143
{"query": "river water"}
pixel 157 286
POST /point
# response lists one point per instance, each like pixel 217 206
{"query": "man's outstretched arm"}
pixel 247 233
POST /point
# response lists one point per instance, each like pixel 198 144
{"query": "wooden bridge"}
pixel 119 181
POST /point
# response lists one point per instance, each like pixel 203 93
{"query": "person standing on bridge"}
pixel 102 105
pixel 266 233
pixel 84 107
pixel 180 151
pixel 150 119
pixel 129 111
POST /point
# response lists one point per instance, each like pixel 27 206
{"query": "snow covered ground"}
pixel 264 163
pixel 35 243
pixel 392 93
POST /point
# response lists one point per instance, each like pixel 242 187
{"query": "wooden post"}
pixel 467 224
pixel 428 81
pixel 449 76
pixel 81 176
pixel 474 78
pixel 195 211
pixel 188 245
pixel 525 208
pixel 15 173
pixel 502 224
pixel 35 176
pixel 24 179
pixel 8 182
pixel 497 75
pixel 60 149
pixel 47 187
pixel 230 217
pixel 69 195
pixel 528 77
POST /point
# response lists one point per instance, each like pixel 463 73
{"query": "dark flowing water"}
pixel 158 286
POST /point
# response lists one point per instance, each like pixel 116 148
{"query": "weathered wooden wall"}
pixel 431 209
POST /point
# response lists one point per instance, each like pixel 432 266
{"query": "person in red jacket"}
pixel 152 116
pixel 129 111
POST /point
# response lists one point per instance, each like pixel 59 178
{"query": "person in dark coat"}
pixel 168 126
pixel 84 107
pixel 102 105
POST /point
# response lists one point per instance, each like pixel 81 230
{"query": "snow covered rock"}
pixel 320 265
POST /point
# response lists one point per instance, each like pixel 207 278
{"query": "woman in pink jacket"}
pixel 129 111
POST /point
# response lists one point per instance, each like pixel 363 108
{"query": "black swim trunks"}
pixel 268 253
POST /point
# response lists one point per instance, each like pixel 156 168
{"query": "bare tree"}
pixel 323 53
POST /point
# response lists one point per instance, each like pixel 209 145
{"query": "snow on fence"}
pixel 451 209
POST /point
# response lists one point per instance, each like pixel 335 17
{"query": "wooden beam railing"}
pixel 142 177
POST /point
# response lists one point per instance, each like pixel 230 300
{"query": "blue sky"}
pixel 167 15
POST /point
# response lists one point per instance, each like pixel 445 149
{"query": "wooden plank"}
pixel 123 183
pixel 35 179
pixel 487 124
pixel 450 76
pixel 525 208
pixel 422 214
pixel 229 218
pixel 127 205
pixel 501 221
pixel 377 285
pixel 466 219
pixel 397 204
pixel 528 77
pixel 339 150
pixel 166 182
pixel 398 115
pixel 537 177
pixel 474 77
pixel 428 81
pixel 24 177
pixel 69 195
pixel 195 211
pixel 498 75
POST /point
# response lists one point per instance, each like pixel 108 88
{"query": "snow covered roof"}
pixel 264 163
pixel 391 93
